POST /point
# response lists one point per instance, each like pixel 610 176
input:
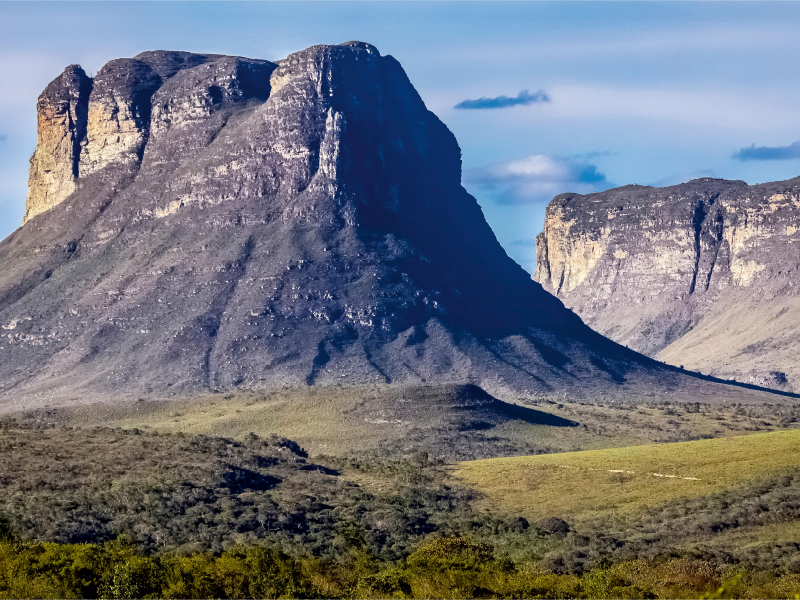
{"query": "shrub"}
pixel 451 553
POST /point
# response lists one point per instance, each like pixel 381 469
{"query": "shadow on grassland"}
pixel 532 416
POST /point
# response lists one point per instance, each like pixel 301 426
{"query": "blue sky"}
pixel 566 96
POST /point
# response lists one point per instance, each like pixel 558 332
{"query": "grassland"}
pixel 748 538
pixel 341 420
pixel 338 421
pixel 589 484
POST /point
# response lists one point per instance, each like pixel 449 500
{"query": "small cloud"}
pixel 594 154
pixel 678 178
pixel 537 178
pixel 525 242
pixel 769 152
pixel 522 99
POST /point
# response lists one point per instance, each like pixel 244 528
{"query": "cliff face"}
pixel 700 274
pixel 62 115
pixel 239 223
pixel 87 124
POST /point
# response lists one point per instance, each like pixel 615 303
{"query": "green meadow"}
pixel 577 485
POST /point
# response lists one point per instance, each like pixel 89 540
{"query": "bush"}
pixel 451 553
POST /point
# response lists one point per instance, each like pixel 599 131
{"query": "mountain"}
pixel 700 274
pixel 204 222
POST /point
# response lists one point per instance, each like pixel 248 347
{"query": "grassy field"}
pixel 591 484
pixel 385 478
pixel 340 420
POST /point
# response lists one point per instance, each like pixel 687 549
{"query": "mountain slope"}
pixel 203 222
pixel 700 274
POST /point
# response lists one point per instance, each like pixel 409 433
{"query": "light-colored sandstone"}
pixel 649 267
pixel 61 122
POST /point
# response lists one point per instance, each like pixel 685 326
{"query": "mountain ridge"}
pixel 242 224
pixel 699 274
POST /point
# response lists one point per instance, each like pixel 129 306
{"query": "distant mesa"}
pixel 199 222
pixel 700 274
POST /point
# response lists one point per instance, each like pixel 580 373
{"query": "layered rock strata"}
pixel 244 224
pixel 62 117
pixel 700 274
pixel 86 124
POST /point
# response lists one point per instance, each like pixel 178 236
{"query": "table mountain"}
pixel 700 274
pixel 203 222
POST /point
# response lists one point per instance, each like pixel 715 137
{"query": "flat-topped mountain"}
pixel 203 222
pixel 700 274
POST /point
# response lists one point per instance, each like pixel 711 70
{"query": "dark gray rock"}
pixel 239 223
pixel 554 525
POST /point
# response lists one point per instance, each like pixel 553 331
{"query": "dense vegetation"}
pixel 687 527
pixel 443 568
pixel 121 513
pixel 194 493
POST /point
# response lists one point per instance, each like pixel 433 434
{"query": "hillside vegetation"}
pixel 201 497
pixel 442 568
pixel 730 500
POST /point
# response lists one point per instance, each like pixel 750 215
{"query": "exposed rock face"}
pixel 242 223
pixel 700 274
pixel 62 115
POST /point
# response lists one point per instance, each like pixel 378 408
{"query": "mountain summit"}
pixel 204 222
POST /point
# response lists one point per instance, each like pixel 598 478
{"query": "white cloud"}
pixel 536 178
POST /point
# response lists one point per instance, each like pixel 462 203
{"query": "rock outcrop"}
pixel 238 223
pixel 700 274
pixel 62 115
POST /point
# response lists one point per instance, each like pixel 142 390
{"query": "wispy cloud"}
pixel 537 178
pixel 594 154
pixel 521 99
pixel 769 152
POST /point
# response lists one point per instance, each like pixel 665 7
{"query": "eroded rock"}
pixel 243 224
pixel 62 113
pixel 701 274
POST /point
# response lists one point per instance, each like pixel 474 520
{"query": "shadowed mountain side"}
pixel 242 224
pixel 533 416
pixel 738 384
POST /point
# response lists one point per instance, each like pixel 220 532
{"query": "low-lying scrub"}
pixel 443 568
pixel 188 493
pixel 173 515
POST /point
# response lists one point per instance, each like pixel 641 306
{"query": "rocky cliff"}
pixel 700 274
pixel 203 222
pixel 62 117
